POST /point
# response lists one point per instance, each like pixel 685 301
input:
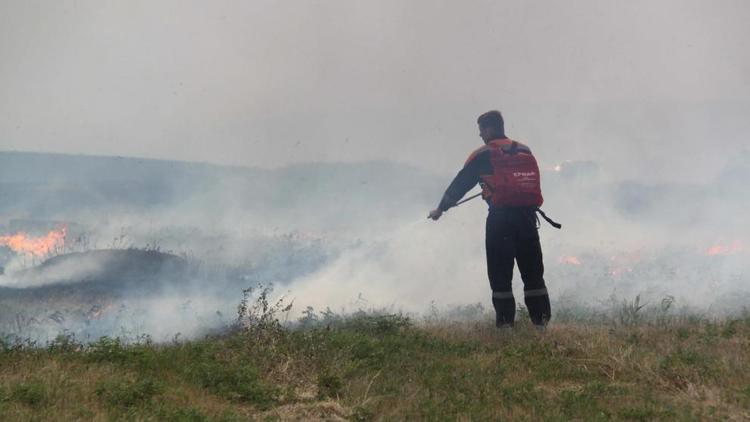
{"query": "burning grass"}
pixel 38 246
pixel 376 366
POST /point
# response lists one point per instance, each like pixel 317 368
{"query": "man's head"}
pixel 491 126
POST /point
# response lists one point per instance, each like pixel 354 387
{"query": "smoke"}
pixel 406 269
pixel 268 84
pixel 353 237
pixel 333 129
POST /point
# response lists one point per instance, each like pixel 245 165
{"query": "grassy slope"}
pixel 381 367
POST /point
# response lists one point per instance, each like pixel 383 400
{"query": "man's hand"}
pixel 435 214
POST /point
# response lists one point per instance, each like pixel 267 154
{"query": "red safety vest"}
pixel 515 179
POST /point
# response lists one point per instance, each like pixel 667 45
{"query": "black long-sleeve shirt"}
pixel 477 165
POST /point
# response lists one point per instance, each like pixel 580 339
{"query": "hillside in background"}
pixel 65 187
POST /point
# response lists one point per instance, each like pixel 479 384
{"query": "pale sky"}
pixel 268 83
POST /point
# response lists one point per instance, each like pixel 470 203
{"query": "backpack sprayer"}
pixel 514 181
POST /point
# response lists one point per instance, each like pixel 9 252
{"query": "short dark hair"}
pixel 492 119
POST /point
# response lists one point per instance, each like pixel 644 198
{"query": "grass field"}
pixel 385 367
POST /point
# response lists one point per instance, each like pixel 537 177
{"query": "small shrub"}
pixel 634 338
pixel 376 324
pixel 730 329
pixel 710 333
pixel 5 343
pixel 260 315
pixel 31 393
pixel 239 382
pixel 330 318
pixel 259 320
pixel 683 333
pixel 128 393
pixel 362 414
pixel 108 349
pixel 663 317
pixel 630 312
pixel 329 385
pixel 64 343
pixel 688 364
pixel 309 318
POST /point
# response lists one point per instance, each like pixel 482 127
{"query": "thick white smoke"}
pixel 345 121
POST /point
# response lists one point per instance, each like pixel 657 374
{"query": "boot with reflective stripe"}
pixel 537 302
pixel 505 308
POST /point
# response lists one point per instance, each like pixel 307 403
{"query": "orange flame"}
pixel 570 259
pixel 727 249
pixel 36 246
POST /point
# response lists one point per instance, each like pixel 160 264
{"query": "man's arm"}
pixel 466 179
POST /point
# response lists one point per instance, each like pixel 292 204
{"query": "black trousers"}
pixel 512 235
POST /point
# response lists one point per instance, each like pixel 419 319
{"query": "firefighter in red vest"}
pixel 509 176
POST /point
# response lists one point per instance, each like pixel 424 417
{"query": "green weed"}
pixel 329 385
pixel 127 393
pixel 31 393
pixel 234 381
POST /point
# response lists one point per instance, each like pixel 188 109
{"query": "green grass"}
pixel 382 367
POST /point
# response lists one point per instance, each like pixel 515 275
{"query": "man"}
pixel 509 176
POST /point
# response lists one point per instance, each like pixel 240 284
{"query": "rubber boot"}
pixel 539 309
pixel 505 312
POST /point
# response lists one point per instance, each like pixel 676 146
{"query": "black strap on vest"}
pixel 549 220
pixel 511 149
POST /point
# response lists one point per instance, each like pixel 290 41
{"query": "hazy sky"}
pixel 270 82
